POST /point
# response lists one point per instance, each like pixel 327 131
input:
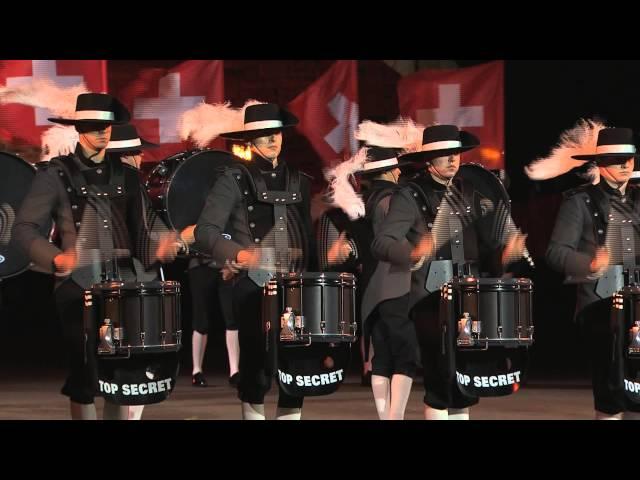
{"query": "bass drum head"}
pixel 190 186
pixel 15 182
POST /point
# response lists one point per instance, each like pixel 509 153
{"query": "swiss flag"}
pixel 471 98
pixel 328 112
pixel 23 125
pixel 157 97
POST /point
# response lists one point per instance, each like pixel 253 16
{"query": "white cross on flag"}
pixel 328 112
pixel 22 124
pixel 157 98
pixel 471 98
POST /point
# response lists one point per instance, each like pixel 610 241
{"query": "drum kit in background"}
pixel 309 319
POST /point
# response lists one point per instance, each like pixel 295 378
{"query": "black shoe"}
pixel 198 380
pixel 366 379
pixel 234 379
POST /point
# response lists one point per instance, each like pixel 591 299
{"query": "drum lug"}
pixel 179 337
pixel 142 338
pixel 499 331
pixel 163 336
pixel 634 339
pixel 465 331
pixel 287 325
pixel 106 346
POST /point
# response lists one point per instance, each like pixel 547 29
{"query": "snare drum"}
pixel 489 311
pixel 312 307
pixel 134 317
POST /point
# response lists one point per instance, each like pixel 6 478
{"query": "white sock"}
pixel 607 416
pixel 458 414
pixel 198 347
pixel 233 351
pixel 252 411
pixel 288 413
pixel 381 395
pixel 435 414
pixel 631 415
pixel 112 411
pixel 400 391
pixel 135 412
pixel 81 411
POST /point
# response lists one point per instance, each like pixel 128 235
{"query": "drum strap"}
pixel 455 227
pixel 280 200
pixel 96 197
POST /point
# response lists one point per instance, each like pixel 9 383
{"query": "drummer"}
pixel 256 224
pixel 67 191
pixel 588 238
pixel 407 239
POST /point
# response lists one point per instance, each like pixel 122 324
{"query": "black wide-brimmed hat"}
pixel 96 108
pixel 125 138
pixel 440 141
pixel 380 159
pixel 261 120
pixel 612 143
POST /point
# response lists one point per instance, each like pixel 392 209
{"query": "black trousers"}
pixel 210 298
pixel 440 385
pixel 607 359
pixel 254 380
pixel 80 385
pixel 395 348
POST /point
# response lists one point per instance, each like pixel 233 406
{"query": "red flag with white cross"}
pixel 157 97
pixel 23 124
pixel 328 112
pixel 471 98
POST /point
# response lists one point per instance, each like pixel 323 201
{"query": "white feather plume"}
pixel 579 140
pixel 342 194
pixel 402 133
pixel 44 93
pixel 205 122
pixel 58 140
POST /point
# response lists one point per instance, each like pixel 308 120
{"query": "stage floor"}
pixel 37 397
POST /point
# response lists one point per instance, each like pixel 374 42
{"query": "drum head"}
pixel 494 199
pixel 190 185
pixel 312 371
pixel 15 183
pixel 140 380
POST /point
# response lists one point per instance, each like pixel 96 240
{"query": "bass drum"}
pixel 15 182
pixel 495 203
pixel 179 185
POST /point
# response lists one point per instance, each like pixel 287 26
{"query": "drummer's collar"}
pixel 611 190
pixel 435 184
pixel 85 161
pixel 266 166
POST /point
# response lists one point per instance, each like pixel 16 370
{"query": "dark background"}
pixel 542 98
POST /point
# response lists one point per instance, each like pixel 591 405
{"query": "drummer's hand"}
pixel 248 258
pixel 187 235
pixel 229 270
pixel 601 261
pixel 514 249
pixel 424 248
pixel 65 261
pixel 339 251
pixel 168 247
